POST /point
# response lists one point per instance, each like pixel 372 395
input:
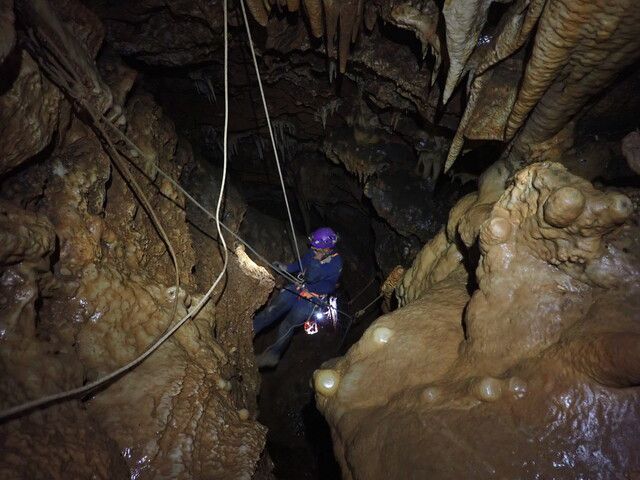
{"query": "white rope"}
pixel 362 311
pixel 284 273
pixel 273 142
pixel 96 383
pixel 141 154
pixel 173 182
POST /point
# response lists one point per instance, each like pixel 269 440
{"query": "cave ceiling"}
pixel 384 88
pixel 515 72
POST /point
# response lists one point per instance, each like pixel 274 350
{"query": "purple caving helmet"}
pixel 323 238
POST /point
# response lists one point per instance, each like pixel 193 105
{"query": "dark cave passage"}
pixel 299 441
pixel 320 194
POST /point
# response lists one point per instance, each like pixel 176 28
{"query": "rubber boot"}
pixel 267 359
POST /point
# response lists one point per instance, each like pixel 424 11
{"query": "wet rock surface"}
pixel 87 285
pixel 519 301
pixel 524 386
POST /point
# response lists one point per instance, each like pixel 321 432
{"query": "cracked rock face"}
pixel 548 352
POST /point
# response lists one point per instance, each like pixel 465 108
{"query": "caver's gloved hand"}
pixel 280 266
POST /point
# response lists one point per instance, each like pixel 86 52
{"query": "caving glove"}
pixel 280 266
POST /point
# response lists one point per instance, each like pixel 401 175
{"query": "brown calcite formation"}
pixel 192 417
pixel 63 441
pixel 86 285
pixel 631 150
pixel 535 375
pixel 29 114
pixel 186 410
pixel 543 261
pixel 178 414
pixel 443 255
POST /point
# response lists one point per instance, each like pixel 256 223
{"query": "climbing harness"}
pixel 311 327
pixel 316 302
pixel 324 313
pixel 328 315
pixel 322 316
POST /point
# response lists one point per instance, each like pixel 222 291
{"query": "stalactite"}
pixel 259 10
pixel 331 15
pixel 315 15
pixel 293 5
pixel 204 87
pixel 327 110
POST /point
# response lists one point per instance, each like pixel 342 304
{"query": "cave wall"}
pixel 390 93
pixel 531 372
pixel 88 285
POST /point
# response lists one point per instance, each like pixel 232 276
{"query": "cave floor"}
pixel 299 439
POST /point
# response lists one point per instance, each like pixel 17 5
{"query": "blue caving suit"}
pixel 320 277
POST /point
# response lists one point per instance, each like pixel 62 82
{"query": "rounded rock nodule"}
pixel 564 206
pixel 499 229
pixel 517 386
pixel 489 389
pixel 326 382
pixel 382 335
pixel 621 207
pixel 431 394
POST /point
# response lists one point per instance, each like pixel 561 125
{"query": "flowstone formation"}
pixel 86 283
pixel 518 72
pixel 535 373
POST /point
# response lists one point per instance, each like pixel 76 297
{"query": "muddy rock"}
pixel 498 370
pixel 88 285
pixel 29 112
